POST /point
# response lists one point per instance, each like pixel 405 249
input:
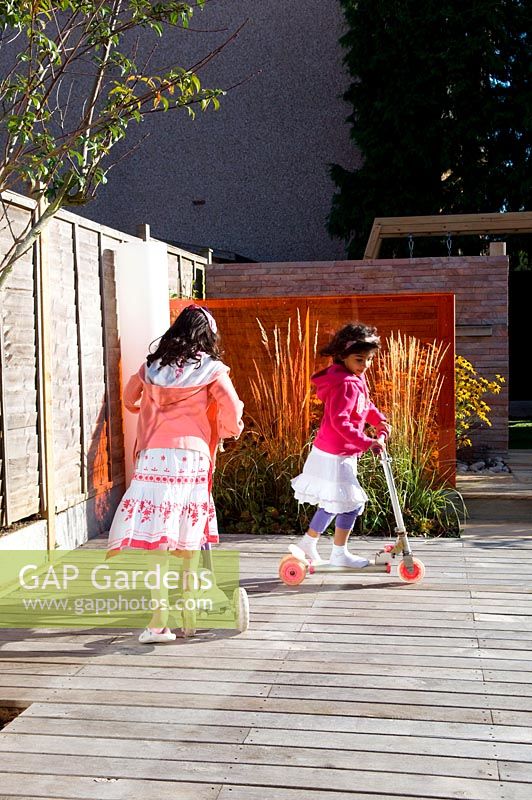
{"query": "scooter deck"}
pixel 325 566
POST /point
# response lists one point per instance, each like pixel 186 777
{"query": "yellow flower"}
pixel 471 408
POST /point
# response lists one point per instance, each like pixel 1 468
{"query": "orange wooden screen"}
pixel 428 317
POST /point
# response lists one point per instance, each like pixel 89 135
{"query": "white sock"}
pixel 309 545
pixel 341 557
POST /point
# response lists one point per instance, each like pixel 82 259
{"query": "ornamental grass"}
pixel 282 417
pixel 406 383
pixel 252 482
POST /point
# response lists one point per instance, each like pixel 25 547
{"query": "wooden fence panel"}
pixel 92 394
pixel 65 365
pixel 87 411
pixel 20 492
pixel 112 355
pixel 3 421
pixel 175 279
pixel 186 273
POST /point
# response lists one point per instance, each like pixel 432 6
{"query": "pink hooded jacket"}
pixel 193 416
pixel 347 411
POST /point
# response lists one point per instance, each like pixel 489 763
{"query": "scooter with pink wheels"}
pixel 295 566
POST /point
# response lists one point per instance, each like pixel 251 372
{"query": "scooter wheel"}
pixel 413 574
pixel 241 606
pixel 285 558
pixel 292 572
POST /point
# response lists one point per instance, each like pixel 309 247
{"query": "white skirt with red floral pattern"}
pixel 168 504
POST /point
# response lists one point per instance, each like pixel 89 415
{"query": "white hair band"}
pixel 210 319
pixel 366 340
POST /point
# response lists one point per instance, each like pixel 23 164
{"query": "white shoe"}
pixel 347 559
pixel 310 549
pixel 150 637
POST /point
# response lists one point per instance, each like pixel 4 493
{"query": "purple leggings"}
pixel 322 519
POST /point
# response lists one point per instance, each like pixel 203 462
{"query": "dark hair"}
pixel 352 338
pixel 185 340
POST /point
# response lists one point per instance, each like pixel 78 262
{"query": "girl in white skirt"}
pixel 187 405
pixel 329 477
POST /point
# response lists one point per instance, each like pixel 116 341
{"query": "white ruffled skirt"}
pixel 168 504
pixel 330 482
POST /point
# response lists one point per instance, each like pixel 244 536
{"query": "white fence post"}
pixel 143 315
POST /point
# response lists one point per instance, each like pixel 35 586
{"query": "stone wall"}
pixel 480 285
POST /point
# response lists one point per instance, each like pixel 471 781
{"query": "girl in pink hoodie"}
pixel 186 403
pixel 329 477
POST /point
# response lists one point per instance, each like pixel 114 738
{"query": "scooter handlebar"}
pixel 378 446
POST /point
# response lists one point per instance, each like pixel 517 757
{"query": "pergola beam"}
pixel 455 224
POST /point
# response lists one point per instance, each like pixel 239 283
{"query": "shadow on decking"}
pixel 8 714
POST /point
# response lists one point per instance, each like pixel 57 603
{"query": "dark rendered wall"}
pixel 260 164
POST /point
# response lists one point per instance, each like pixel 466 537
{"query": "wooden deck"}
pixel 342 688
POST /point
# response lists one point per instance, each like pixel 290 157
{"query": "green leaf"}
pixel 195 82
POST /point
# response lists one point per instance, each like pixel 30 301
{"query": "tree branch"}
pixel 59 151
pixel 23 244
pixel 99 77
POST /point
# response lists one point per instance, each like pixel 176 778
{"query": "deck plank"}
pixel 294 776
pixel 342 689
pixel 248 754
